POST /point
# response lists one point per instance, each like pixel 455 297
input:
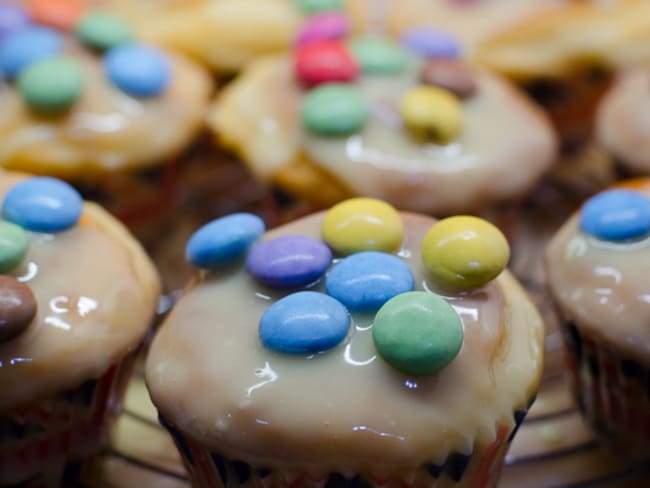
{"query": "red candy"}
pixel 323 62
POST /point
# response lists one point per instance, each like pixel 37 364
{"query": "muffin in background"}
pixel 348 347
pixel 597 269
pixel 78 296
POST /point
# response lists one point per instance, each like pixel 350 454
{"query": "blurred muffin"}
pixel 329 315
pixel 597 273
pixel 408 123
pixel 78 295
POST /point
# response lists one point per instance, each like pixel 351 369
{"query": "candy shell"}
pixel 365 281
pixel 431 43
pixel 324 62
pixel 51 84
pixel 363 224
pixel 103 30
pixel 43 204
pixel 138 70
pixel 449 74
pixel 305 322
pixel 616 215
pixel 289 261
pixel 432 114
pixel 323 27
pixel 315 6
pixel 379 55
pixel 334 109
pixel 418 333
pixel 60 14
pixel 17 307
pixel 13 245
pixel 223 240
pixel 12 19
pixel 25 47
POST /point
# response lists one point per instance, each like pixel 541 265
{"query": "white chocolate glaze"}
pixel 603 287
pixel 96 292
pixel 344 409
pixel 106 130
pixel 623 120
pixel 504 147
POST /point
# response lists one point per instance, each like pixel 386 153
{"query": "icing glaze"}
pixel 91 312
pixel 603 285
pixel 322 408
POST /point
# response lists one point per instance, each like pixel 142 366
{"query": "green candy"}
pixel 51 85
pixel 315 6
pixel 103 30
pixel 417 332
pixel 334 109
pixel 378 55
pixel 13 245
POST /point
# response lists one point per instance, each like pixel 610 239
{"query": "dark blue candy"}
pixel 289 261
pixel 430 43
pixel 138 70
pixel 363 282
pixel 304 323
pixel 223 239
pixel 43 204
pixel 12 19
pixel 616 215
pixel 26 46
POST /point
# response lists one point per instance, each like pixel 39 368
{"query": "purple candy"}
pixel 431 43
pixel 323 27
pixel 12 19
pixel 289 261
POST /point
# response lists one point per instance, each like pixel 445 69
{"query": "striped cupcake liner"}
pixel 479 469
pixel 43 441
pixel 612 391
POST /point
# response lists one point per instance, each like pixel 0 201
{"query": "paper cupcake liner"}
pixel 41 441
pixel 478 469
pixel 612 391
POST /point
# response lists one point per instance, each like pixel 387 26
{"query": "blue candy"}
pixel 430 43
pixel 363 282
pixel 43 204
pixel 138 70
pixel 289 261
pixel 26 46
pixel 223 240
pixel 305 322
pixel 12 19
pixel 616 215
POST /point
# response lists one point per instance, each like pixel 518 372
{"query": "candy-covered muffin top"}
pixel 403 120
pixel 293 336
pixel 77 293
pixel 597 268
pixel 80 94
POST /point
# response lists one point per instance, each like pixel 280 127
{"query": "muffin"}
pixel 296 336
pixel 597 275
pixel 78 295
pixel 408 123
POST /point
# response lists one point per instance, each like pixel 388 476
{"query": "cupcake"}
pixel 410 123
pixel 77 296
pixel 350 347
pixel 597 275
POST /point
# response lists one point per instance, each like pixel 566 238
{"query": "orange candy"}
pixel 60 14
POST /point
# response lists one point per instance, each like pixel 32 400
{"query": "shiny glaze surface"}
pixel 504 146
pixel 96 293
pixel 345 409
pixel 106 130
pixel 603 287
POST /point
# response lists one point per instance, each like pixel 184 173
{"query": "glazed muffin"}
pixel 411 124
pixel 78 295
pixel 294 338
pixel 597 273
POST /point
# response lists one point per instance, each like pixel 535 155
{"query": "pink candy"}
pixel 323 62
pixel 323 27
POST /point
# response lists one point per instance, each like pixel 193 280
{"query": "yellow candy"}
pixel 464 252
pixel 432 113
pixel 363 224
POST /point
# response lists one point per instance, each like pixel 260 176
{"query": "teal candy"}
pixel 418 332
pixel 334 109
pixel 51 85
pixel 314 6
pixel 13 245
pixel 103 30
pixel 378 55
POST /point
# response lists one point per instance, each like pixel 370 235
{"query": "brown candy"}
pixel 17 307
pixel 449 74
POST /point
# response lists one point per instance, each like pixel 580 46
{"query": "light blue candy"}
pixel 616 215
pixel 305 322
pixel 365 281
pixel 138 70
pixel 25 47
pixel 43 204
pixel 223 240
pixel 431 43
